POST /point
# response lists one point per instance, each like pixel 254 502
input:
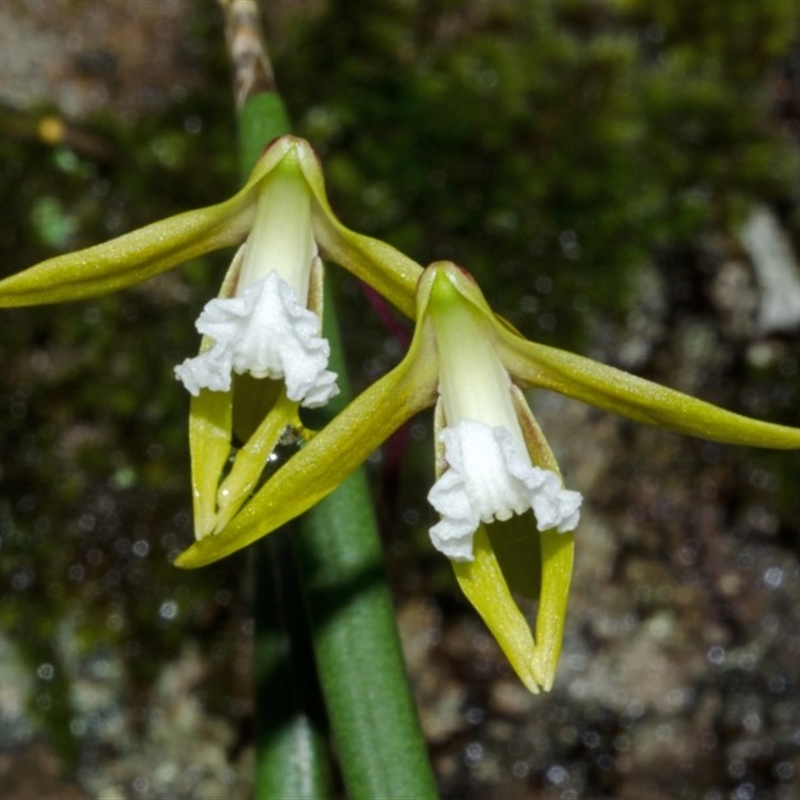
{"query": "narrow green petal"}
pixel 210 421
pixel 495 576
pixel 317 469
pixel 483 581
pixel 491 579
pixel 484 585
pixel 378 264
pixel 558 553
pixel 636 398
pixel 250 460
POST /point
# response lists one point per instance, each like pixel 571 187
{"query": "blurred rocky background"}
pixel 622 178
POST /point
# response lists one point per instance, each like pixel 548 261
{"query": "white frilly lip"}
pixel 267 333
pixel 489 479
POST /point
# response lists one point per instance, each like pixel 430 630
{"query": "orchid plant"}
pixel 506 518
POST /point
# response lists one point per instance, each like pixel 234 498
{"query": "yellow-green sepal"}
pixel 141 254
pixel 129 259
pixel 537 365
pixel 391 273
pixel 636 398
pixel 137 256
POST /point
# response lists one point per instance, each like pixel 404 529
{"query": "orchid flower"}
pixel 262 353
pixel 507 519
